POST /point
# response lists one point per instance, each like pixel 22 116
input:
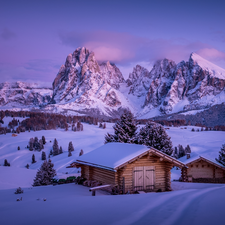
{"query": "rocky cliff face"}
pixel 83 83
pixel 196 84
pixel 24 94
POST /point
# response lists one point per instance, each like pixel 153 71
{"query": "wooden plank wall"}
pixel 98 174
pixel 204 169
pixel 162 172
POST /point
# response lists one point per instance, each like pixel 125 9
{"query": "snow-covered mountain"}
pixel 21 94
pixel 196 84
pixel 84 85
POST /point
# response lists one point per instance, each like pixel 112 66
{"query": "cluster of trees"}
pixel 56 150
pixel 77 127
pixel 102 125
pixel 45 121
pixel 45 174
pixel 180 151
pixel 35 144
pixel 153 134
pixel 216 128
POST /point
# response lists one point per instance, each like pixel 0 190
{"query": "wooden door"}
pixel 138 178
pixel 149 177
pixel 144 178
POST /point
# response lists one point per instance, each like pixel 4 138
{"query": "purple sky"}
pixel 36 36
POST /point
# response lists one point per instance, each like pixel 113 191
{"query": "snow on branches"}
pixel 124 130
pixel 45 174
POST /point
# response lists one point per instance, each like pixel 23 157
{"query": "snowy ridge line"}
pixel 64 165
pixel 177 215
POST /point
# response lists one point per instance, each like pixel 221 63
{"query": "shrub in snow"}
pixel 18 148
pixel 221 158
pixel 81 152
pixel 6 163
pixel 19 191
pixel 45 174
pixel 27 166
pixel 192 129
pixel 55 147
pixel 124 130
pixel 154 135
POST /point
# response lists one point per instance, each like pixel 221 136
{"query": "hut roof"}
pixel 113 156
pixel 198 158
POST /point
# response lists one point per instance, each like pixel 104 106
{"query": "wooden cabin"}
pixel 128 167
pixel 203 170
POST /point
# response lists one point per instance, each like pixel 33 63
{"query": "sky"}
pixel 36 36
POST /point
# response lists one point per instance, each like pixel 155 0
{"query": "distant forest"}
pixel 47 121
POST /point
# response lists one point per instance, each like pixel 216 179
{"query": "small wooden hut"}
pixel 202 170
pixel 128 167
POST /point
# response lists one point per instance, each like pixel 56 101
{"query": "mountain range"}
pixel 85 86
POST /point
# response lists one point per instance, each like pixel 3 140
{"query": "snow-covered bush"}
pixel 19 191
pixel 45 174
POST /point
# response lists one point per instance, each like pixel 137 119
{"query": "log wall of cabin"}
pixel 203 169
pixel 98 174
pixel 162 172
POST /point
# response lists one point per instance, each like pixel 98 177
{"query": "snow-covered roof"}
pixel 195 158
pixel 111 156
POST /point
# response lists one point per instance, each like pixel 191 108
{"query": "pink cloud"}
pixel 124 48
pixel 211 54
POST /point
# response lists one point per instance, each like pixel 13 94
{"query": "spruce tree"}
pixel 69 153
pixel 124 130
pixel 43 155
pixel 55 147
pixel 181 151
pixel 60 150
pixel 41 145
pixel 6 163
pixel 43 140
pixel 187 150
pixel 70 147
pixel 154 135
pixel 33 159
pixel 221 158
pixel 45 174
pixel 31 144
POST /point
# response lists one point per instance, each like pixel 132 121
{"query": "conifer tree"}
pixel 45 174
pixel 187 150
pixel 60 150
pixel 181 151
pixel 124 130
pixel 31 144
pixel 154 135
pixel 43 155
pixel 221 158
pixel 70 147
pixel 43 140
pixel 33 159
pixel 69 153
pixel 55 147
